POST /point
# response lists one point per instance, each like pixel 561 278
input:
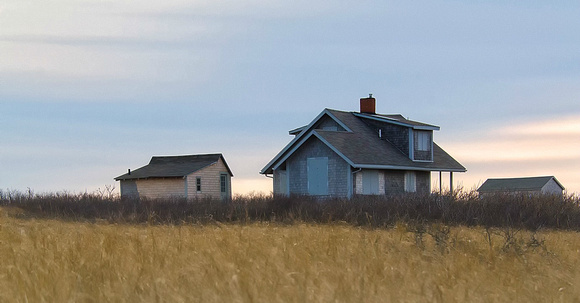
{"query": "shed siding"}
pixel 552 188
pixel 154 188
pixel 210 182
pixel 338 169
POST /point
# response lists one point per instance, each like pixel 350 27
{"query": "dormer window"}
pixel 424 141
pixel 422 145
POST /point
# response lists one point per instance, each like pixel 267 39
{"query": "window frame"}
pixel 223 183
pixel 198 184
pixel 423 141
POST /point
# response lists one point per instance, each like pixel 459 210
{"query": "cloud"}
pixel 540 147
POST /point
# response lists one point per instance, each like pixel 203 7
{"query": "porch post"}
pixel 451 182
pixel 440 184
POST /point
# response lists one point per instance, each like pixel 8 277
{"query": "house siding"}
pixel 154 188
pixel 327 122
pixel 394 181
pixel 396 134
pixel 423 179
pixel 210 182
pixel 338 169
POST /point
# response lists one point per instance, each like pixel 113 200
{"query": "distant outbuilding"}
pixel 188 176
pixel 547 185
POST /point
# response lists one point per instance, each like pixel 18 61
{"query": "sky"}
pixel 90 88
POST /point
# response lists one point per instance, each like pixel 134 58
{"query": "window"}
pixel 424 141
pixel 410 182
pixel 198 184
pixel 223 183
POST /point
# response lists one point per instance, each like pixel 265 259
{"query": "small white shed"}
pixel 188 176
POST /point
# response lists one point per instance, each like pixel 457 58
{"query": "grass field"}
pixel 48 260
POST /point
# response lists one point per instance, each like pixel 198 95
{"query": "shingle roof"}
pixel 361 148
pixel 516 184
pixel 398 119
pixel 173 166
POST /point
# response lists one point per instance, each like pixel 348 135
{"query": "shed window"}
pixel 198 184
pixel 223 183
pixel 424 141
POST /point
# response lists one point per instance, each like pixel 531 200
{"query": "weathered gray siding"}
pixel 423 179
pixel 328 124
pixel 396 134
pixel 338 169
pixel 394 182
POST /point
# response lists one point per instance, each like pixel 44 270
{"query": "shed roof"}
pixel 517 184
pixel 173 166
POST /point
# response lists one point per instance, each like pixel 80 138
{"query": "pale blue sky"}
pixel 91 88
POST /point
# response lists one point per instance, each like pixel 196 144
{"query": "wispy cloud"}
pixel 540 147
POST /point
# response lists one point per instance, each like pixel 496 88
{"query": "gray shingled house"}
pixel 346 153
pixel 547 185
pixel 189 176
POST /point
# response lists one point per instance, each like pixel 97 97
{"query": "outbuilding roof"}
pixel 517 184
pixel 360 147
pixel 173 166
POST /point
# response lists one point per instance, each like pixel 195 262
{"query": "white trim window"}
pixel 423 141
pixel 198 184
pixel 410 182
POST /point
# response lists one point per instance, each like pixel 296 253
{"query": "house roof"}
pixel 360 147
pixel 173 166
pixel 517 184
pixel 397 119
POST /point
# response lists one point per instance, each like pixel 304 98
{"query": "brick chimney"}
pixel 368 105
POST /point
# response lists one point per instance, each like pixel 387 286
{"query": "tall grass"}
pixel 453 248
pixel 45 260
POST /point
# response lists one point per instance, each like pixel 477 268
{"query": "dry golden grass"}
pixel 55 261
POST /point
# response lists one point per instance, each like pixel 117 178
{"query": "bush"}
pixel 522 212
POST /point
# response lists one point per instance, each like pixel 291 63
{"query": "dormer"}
pixel 422 145
pixel 414 139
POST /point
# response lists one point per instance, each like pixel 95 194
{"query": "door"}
pixel 224 186
pixel 317 176
pixel 370 182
